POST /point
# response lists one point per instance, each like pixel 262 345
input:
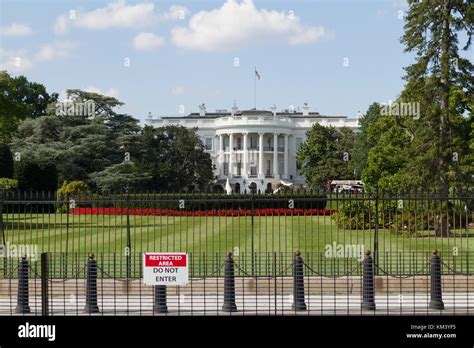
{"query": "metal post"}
pixel 368 289
pixel 44 285
pixel 376 229
pixel 128 251
pixel 229 286
pixel 2 232
pixel 91 286
pixel 159 305
pixel 298 284
pixel 23 298
pixel 252 232
pixel 436 294
pixel 67 235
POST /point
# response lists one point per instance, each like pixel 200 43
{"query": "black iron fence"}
pixel 290 285
pixel 331 233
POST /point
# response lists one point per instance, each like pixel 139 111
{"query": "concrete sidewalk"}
pixel 391 304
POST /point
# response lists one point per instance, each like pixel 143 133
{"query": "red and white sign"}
pixel 165 269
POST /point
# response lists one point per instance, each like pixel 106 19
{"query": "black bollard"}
pixel 298 284
pixel 23 295
pixel 229 286
pixel 436 294
pixel 91 286
pixel 159 305
pixel 368 289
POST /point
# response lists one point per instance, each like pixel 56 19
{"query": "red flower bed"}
pixel 228 212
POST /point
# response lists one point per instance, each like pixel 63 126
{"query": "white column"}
pixel 221 154
pixel 285 151
pixel 246 157
pixel 231 154
pixel 275 156
pixel 260 155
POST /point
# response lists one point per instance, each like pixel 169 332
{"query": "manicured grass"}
pixel 211 237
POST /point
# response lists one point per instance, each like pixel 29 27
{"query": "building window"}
pixel 226 143
pixel 281 144
pixel 253 143
pixel 239 168
pixel 226 168
pixel 208 144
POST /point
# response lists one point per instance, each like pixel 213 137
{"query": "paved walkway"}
pixel 392 304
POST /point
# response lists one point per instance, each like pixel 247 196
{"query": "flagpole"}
pixel 255 88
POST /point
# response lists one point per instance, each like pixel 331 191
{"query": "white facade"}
pixel 254 146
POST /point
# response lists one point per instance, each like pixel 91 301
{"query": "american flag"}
pixel 257 74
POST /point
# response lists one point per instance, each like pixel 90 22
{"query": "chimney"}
pixel 305 109
pixel 202 109
pixel 274 109
pixel 234 110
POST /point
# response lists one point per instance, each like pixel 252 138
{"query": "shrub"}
pixel 36 177
pixel 8 184
pixel 407 216
pixel 209 201
pixel 75 189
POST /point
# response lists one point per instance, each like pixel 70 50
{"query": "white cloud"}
pixel 148 41
pixel 178 90
pixel 111 92
pixel 118 14
pixel 237 24
pixel 15 29
pixel 174 13
pixel 55 50
pixel 21 59
pixel 14 60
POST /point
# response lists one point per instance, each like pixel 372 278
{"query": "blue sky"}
pixel 337 55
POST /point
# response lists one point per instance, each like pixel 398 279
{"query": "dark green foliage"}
pixel 6 162
pixel 36 177
pixel 326 155
pixel 210 201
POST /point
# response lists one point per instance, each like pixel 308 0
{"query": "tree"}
pixel 442 81
pixel 6 162
pixel 175 158
pixel 326 155
pixel 36 177
pixel 80 145
pixel 388 157
pixel 20 99
pixel 362 145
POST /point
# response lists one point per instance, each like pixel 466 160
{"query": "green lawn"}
pixel 209 238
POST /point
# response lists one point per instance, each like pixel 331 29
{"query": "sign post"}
pixel 165 269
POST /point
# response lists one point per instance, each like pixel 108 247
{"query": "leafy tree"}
pixel 388 158
pixel 326 155
pixel 175 158
pixel 442 81
pixel 362 145
pixel 120 177
pixel 20 99
pixel 6 162
pixel 36 177
pixel 79 145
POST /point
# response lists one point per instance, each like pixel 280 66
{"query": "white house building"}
pixel 254 148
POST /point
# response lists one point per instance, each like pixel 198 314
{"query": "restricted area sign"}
pixel 165 269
